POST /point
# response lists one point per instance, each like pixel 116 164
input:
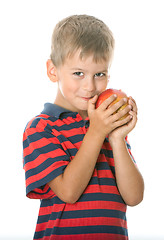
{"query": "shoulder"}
pixel 40 122
pixel 40 130
pixel 39 127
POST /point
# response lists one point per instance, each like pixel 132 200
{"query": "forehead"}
pixel 85 61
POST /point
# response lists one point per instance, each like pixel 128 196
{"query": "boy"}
pixel 77 159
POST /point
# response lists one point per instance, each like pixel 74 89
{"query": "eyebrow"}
pixel 79 69
pixel 75 69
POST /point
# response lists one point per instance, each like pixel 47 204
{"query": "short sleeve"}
pixel 43 159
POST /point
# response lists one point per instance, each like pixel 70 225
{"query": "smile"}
pixel 86 98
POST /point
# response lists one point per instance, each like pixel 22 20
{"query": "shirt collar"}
pixel 55 110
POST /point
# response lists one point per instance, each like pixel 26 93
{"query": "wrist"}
pixel 96 135
pixel 116 142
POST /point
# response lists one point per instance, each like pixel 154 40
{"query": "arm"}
pixel 71 184
pixel 129 180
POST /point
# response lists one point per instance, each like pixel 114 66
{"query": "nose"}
pixel 89 84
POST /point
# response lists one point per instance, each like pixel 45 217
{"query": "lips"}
pixel 86 98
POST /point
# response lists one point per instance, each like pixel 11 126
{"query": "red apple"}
pixel 107 93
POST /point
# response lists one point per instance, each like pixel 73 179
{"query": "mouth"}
pixel 87 98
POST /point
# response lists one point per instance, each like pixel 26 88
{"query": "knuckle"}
pixel 110 99
pixel 117 106
pixel 114 96
pixel 124 110
pixel 120 114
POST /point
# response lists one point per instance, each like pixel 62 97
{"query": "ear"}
pixel 51 71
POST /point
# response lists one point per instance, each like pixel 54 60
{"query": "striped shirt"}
pixel 50 142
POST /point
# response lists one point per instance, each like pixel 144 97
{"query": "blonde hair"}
pixel 81 32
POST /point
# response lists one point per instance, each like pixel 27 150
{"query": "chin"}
pixel 83 109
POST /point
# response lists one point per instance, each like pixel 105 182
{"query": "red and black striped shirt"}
pixel 50 142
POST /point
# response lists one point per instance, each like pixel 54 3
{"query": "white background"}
pixel 25 37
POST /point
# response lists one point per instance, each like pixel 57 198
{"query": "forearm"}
pixel 71 184
pixel 129 180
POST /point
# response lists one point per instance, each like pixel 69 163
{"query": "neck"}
pixel 62 103
pixel 83 114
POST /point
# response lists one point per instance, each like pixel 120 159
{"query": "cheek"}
pixel 102 85
pixel 68 87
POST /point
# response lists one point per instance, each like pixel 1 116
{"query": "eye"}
pixel 79 74
pixel 100 74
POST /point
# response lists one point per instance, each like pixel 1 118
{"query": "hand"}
pixel 104 120
pixel 122 131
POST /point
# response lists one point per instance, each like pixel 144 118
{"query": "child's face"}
pixel 79 80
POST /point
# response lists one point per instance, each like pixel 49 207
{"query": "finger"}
pixel 122 122
pixel 116 107
pixel 122 113
pixel 91 103
pixel 133 104
pixel 132 99
pixel 104 105
pixel 133 121
pixel 134 116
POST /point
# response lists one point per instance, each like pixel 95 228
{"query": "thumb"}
pixel 91 103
